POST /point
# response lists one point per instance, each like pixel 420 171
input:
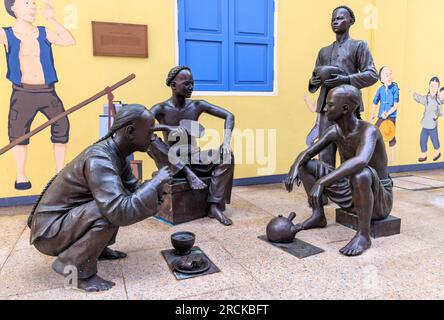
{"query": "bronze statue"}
pixel 79 213
pixel 361 185
pixel 218 164
pixel 346 61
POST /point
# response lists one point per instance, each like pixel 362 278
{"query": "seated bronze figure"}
pixel 361 185
pixel 79 213
pixel 217 164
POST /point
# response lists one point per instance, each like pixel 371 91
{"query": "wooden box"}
pixel 182 204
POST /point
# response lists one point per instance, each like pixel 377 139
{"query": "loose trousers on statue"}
pixel 203 164
pixel 83 233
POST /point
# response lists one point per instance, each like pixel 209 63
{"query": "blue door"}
pixel 203 39
pixel 251 45
pixel 229 44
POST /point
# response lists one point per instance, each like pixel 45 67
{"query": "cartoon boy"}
pixel 33 75
pixel 388 97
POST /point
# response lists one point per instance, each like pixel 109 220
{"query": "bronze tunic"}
pixel 80 212
pixel 355 58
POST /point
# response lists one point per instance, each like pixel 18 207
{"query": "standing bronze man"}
pixel 353 58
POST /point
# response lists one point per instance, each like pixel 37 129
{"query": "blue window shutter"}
pixel 203 42
pixel 251 45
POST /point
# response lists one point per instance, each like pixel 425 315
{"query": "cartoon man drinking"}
pixel 33 75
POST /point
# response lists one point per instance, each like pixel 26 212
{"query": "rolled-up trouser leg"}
pixel 435 138
pixel 159 152
pixel 221 184
pixel 85 252
pixel 83 235
pixel 424 138
pixel 113 238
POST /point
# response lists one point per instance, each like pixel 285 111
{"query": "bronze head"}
pixel 342 19
pixel 133 124
pixel 343 101
pixel 181 81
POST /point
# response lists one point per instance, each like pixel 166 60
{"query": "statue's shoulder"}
pixel 161 105
pixel 326 49
pixel 369 128
pixel 359 43
pixel 159 108
pixel 98 149
pixel 200 101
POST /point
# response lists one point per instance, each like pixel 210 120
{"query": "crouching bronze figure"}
pixel 79 213
pixel 361 185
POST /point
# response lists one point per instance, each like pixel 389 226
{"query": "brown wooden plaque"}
pixel 120 39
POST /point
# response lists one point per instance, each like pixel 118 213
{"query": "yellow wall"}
pixel 303 28
pixel 408 40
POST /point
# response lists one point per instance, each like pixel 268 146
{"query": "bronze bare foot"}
pixel 109 254
pixel 357 246
pixel 59 267
pixel 194 181
pixel 216 213
pixel 95 284
pixel 92 284
pixel 317 220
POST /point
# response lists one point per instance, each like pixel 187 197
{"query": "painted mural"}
pixel 31 70
pixel 432 103
pixel 387 97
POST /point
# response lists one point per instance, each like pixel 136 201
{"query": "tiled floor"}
pixel 408 266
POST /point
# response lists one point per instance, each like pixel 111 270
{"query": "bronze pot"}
pixel 282 230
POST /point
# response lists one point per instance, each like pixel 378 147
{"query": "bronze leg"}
pixel 363 200
pixel 328 155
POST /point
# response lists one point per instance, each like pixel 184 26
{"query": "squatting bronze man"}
pixel 361 184
pixel 79 213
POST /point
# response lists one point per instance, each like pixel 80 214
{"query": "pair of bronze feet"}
pixel 357 246
pixel 94 283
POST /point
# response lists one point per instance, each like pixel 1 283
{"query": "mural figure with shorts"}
pixel 346 61
pixel 81 210
pixel 388 96
pixel 361 184
pixel 433 111
pixel 178 149
pixel 31 70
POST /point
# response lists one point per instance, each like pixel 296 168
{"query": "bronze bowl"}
pixel 183 242
pixel 327 72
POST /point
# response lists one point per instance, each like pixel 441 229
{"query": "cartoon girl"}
pixel 433 110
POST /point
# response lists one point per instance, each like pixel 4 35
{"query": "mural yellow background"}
pixel 407 38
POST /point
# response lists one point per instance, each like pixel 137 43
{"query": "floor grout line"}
pixel 12 248
pixel 211 292
pixel 124 280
